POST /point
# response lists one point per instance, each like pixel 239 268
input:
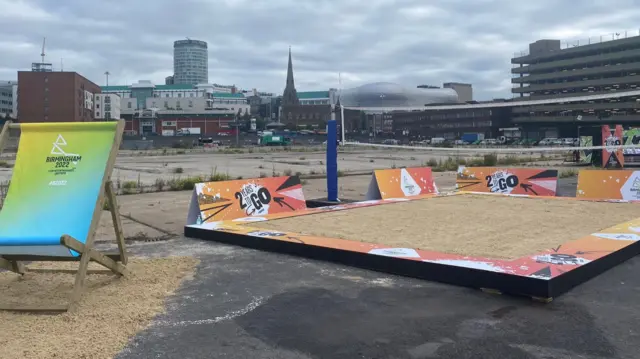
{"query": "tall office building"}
pixel 549 71
pixel 190 62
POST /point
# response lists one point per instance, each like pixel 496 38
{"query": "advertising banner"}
pixel 400 183
pixel 525 181
pixel 610 184
pixel 56 182
pixel 611 156
pixel 586 155
pixel 631 137
pixel 243 199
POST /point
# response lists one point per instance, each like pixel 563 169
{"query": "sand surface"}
pixel 112 309
pixel 473 225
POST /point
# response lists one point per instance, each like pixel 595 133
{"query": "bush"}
pixel 129 187
pixel 217 177
pixel 450 164
pixel 475 162
pixel 160 183
pixel 432 162
pixel 5 164
pixel 178 170
pixel 490 160
pixel 510 160
pixel 184 184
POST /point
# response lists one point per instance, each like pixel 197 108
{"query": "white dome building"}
pixel 387 94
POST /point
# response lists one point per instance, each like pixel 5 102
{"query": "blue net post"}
pixel 332 160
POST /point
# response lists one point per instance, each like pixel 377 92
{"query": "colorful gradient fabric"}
pixel 56 181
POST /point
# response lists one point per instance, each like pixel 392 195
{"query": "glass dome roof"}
pixel 386 94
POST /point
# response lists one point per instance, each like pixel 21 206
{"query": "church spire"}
pixel 290 71
pixel 290 95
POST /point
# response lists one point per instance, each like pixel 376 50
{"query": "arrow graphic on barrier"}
pixel 220 209
pixel 296 239
pixel 282 203
pixel 527 187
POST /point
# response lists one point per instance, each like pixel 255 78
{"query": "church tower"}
pixel 290 95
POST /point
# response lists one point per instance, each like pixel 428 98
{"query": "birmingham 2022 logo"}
pixel 61 161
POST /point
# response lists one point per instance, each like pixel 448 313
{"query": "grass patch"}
pixel 568 173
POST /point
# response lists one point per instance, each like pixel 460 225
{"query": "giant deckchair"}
pixel 57 191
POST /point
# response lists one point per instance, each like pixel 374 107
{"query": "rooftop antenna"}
pixel 61 65
pixel 44 40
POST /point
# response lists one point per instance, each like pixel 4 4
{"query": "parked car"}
pixel 547 141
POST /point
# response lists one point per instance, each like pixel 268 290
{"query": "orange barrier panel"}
pixel 229 200
pixel 526 181
pixel 609 184
pixel 400 183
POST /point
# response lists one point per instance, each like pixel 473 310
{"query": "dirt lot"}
pixel 245 303
pixel 135 166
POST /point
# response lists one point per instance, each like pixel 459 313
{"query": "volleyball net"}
pixel 590 146
pixel 633 149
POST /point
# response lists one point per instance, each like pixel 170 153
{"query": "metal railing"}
pixel 567 44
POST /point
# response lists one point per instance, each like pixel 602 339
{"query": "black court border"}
pixel 545 289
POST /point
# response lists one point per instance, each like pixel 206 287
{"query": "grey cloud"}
pixel 408 41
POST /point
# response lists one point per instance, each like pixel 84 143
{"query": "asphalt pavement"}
pixel 248 304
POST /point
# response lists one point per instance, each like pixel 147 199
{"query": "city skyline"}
pixel 412 44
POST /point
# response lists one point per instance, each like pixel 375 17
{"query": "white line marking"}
pixel 255 303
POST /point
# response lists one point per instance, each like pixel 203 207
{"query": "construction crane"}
pixel 42 66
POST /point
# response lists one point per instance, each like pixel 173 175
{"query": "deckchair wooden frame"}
pixel 115 263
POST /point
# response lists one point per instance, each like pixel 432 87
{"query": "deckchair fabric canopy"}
pixel 56 182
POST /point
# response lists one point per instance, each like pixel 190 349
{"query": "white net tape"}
pixel 497 150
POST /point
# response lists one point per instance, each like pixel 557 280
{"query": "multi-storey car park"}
pixel 548 71
pixel 488 118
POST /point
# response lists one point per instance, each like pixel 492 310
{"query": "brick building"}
pixel 150 122
pixel 55 97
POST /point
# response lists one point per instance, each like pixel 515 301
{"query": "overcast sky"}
pixel 411 42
